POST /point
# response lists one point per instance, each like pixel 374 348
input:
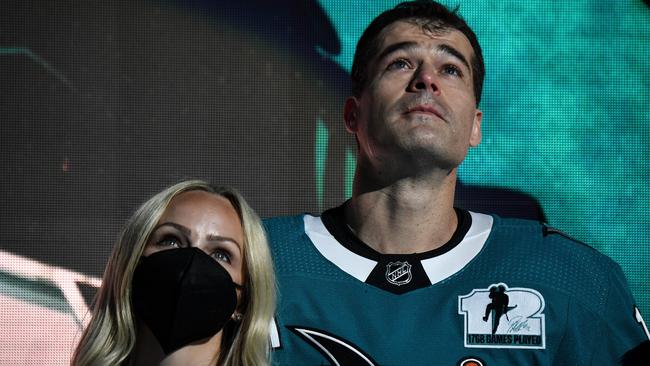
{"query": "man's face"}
pixel 419 102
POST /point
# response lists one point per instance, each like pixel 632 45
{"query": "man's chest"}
pixel 492 321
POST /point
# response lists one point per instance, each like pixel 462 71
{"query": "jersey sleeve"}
pixel 621 329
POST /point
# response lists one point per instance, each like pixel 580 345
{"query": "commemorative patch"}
pixel 503 317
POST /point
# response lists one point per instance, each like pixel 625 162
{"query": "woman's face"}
pixel 205 221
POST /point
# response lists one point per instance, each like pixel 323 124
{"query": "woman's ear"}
pixel 242 301
pixel 237 316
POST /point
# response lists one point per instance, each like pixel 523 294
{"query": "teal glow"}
pixel 350 166
pixel 320 156
pixel 350 18
pixel 566 114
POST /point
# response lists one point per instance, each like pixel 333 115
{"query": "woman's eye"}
pixel 170 241
pixel 398 65
pixel 452 70
pixel 221 255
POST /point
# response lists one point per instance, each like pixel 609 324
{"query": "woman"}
pixel 190 281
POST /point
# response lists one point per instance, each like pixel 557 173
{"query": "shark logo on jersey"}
pixel 502 317
pixel 338 351
pixel 398 273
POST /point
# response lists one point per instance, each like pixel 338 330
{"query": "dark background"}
pixel 104 103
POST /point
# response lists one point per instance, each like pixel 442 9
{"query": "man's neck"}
pixel 409 215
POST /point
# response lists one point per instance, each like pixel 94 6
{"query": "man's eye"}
pixel 221 255
pixel 452 70
pixel 398 65
pixel 170 241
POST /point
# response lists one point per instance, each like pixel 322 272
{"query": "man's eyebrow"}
pixel 180 227
pixel 445 48
pixel 396 47
pixel 405 46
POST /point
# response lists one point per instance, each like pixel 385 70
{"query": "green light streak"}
pixel 320 159
pixel 350 165
pixel 4 51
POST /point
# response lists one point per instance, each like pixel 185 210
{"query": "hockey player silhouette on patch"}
pixel 498 306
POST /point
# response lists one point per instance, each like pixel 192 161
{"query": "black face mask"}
pixel 183 296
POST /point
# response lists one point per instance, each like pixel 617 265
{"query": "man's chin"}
pixel 430 154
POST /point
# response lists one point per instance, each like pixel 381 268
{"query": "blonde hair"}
pixel 110 337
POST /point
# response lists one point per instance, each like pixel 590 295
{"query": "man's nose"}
pixel 424 80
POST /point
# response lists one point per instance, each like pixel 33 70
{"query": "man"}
pixel 397 275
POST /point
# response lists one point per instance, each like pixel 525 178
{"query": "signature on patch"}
pixel 517 324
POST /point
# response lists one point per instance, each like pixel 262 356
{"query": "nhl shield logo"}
pixel 398 273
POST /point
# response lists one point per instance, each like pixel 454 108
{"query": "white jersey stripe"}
pixel 440 267
pixel 437 268
pixel 355 265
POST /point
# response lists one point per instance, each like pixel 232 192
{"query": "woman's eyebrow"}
pixel 179 227
pixel 212 237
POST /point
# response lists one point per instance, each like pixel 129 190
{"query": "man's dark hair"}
pixel 429 15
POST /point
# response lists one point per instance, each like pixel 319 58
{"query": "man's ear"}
pixel 476 135
pixel 350 114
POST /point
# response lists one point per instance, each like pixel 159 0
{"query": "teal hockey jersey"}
pixel 500 292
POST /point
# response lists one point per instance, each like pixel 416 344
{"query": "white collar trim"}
pixel 355 265
pixel 443 266
pixel 437 268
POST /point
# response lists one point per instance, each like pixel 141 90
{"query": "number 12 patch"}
pixel 502 317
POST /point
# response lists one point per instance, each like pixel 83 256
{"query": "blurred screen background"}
pixel 104 103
